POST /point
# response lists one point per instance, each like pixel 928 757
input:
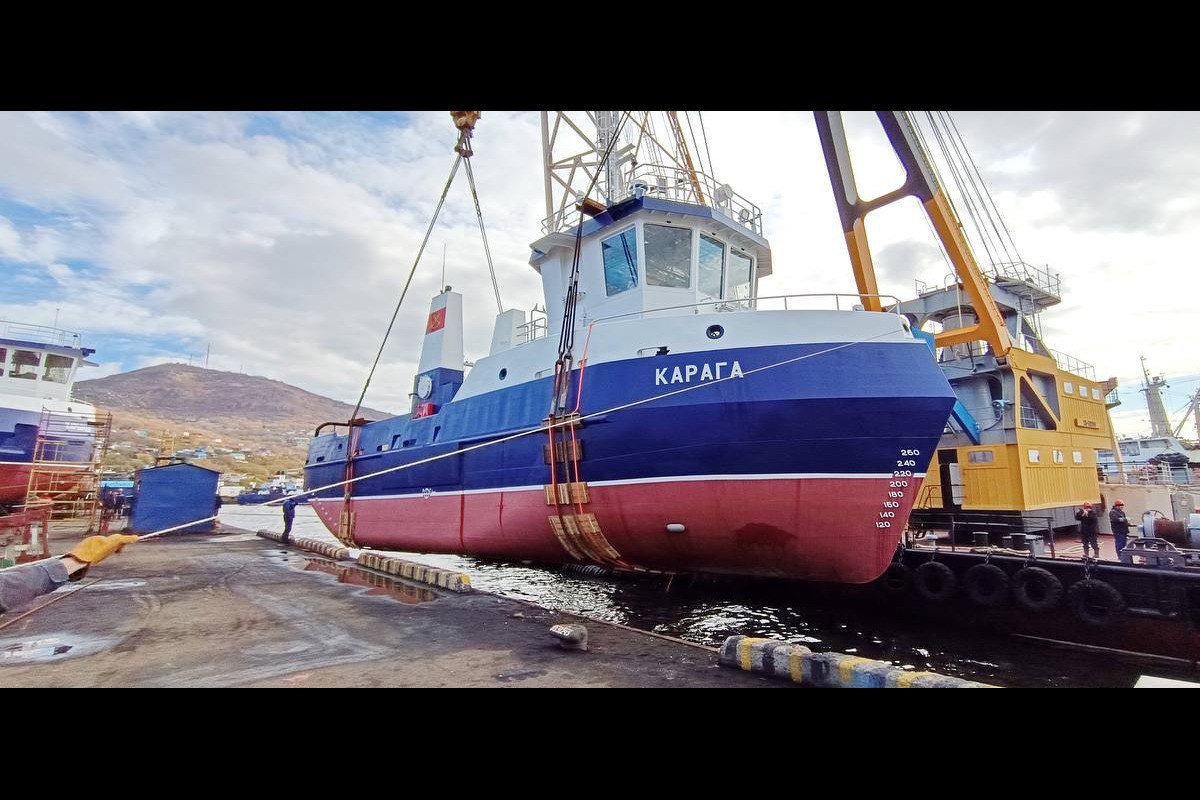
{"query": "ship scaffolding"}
pixel 63 484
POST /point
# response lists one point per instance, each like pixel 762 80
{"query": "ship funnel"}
pixel 440 370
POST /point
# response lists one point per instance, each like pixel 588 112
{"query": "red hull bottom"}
pixel 14 482
pixel 835 529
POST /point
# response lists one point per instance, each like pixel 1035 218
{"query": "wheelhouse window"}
pixel 25 364
pixel 58 368
pixel 740 266
pixel 668 256
pixel 620 261
pixel 3 360
pixel 712 267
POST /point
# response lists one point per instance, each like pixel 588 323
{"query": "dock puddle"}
pixel 378 584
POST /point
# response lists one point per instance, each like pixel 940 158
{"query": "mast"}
pixel 1160 425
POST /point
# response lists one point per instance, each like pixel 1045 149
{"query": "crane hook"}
pixel 465 122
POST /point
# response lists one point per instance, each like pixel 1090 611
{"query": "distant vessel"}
pixel 1160 457
pixel 695 430
pixel 37 372
pixel 277 487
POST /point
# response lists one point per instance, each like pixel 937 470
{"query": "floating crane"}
pixel 1021 445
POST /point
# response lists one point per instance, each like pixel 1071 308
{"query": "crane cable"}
pixel 458 159
pixel 483 232
pixel 566 339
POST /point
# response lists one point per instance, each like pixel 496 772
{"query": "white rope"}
pixel 565 423
pixel 542 430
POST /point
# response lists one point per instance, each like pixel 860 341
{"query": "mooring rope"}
pixel 540 429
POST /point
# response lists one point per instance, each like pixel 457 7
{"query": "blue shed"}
pixel 173 494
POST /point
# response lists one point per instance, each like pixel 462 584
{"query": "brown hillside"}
pixel 181 392
pixel 250 427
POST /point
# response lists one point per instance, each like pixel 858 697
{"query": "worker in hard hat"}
pixel 1089 527
pixel 1120 525
pixel 22 583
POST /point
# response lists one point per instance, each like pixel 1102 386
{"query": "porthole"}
pixel 504 373
pixel 715 332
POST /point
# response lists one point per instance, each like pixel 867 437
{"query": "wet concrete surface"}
pixel 236 610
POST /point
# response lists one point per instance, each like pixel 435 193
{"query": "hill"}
pixel 244 424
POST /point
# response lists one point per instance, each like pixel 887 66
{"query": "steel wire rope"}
pixel 712 171
pixel 965 199
pixel 955 140
pixel 983 183
pixel 404 292
pixel 928 224
pixel 483 232
pixel 696 145
pixel 980 230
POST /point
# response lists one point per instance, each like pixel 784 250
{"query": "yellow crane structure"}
pixel 1021 446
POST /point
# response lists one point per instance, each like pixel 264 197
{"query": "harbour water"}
pixel 708 613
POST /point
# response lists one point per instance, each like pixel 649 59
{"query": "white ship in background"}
pixel 1160 457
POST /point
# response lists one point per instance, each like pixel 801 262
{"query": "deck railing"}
pixel 668 182
pixel 1048 282
pixel 43 334
pixel 783 302
pixel 1072 364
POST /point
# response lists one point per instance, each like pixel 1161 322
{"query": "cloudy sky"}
pixel 282 240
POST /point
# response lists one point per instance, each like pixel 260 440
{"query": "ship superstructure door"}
pixel 953 491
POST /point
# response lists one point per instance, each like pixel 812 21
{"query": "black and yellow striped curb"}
pixel 444 578
pixel 334 551
pixel 832 670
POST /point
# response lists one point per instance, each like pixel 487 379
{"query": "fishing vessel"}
pixel 42 429
pixel 677 421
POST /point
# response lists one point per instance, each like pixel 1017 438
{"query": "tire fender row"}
pixel 1032 589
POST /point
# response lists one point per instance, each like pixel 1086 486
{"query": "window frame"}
pixel 46 369
pixel 725 247
pixel 691 249
pixel 638 275
pixel 751 284
pixel 37 366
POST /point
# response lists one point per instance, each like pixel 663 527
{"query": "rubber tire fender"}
pixel 1047 589
pixel 986 585
pixel 1095 602
pixel 935 582
pixel 896 579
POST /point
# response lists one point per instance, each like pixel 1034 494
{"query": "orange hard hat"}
pixel 1087 505
pixel 1119 503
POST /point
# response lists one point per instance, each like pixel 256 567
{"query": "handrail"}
pixel 44 334
pixel 752 304
pixel 1072 364
pixel 672 183
pixel 354 423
